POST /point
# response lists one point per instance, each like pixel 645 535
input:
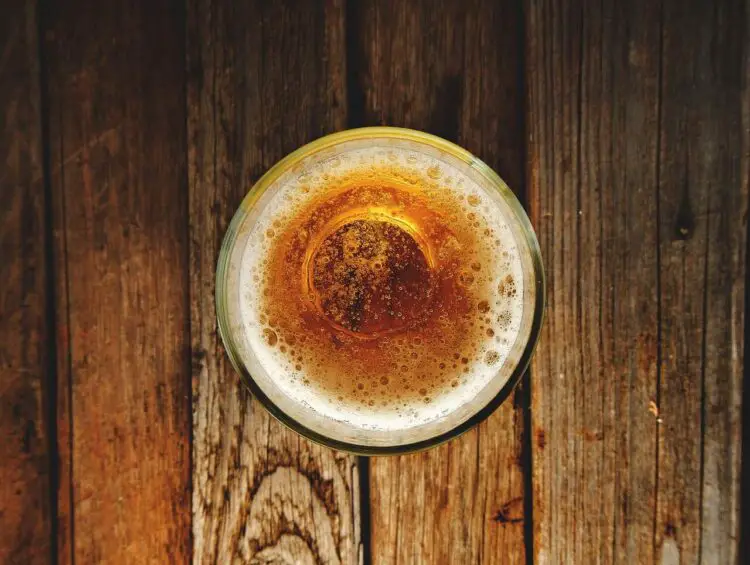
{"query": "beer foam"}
pixel 426 369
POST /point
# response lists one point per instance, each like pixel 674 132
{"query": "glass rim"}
pixel 320 144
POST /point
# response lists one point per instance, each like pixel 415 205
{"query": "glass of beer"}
pixel 380 290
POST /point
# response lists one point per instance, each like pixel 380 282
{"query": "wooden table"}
pixel 131 130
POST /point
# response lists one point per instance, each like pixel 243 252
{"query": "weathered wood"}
pixel 118 176
pixel 703 198
pixel 24 333
pixel 264 78
pixel 638 184
pixel 452 70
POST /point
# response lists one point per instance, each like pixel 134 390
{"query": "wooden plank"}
pixel 640 218
pixel 118 176
pixel 264 79
pixel 593 122
pixel 448 71
pixel 25 530
pixel 702 207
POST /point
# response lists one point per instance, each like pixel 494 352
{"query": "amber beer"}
pixel 381 289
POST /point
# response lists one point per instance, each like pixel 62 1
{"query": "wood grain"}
pixel 263 79
pixel 449 72
pixel 118 177
pixel 703 199
pixel 638 139
pixel 25 524
pixel 637 154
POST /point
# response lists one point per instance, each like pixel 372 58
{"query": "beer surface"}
pixel 381 288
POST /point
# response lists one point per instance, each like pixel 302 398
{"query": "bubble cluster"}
pixel 370 277
pixel 379 291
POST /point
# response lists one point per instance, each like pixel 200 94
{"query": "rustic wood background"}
pixel 130 131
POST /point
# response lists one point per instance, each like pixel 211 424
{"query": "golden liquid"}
pixel 377 290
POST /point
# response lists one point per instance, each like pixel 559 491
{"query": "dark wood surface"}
pixel 25 333
pixel 129 132
pixel 638 128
